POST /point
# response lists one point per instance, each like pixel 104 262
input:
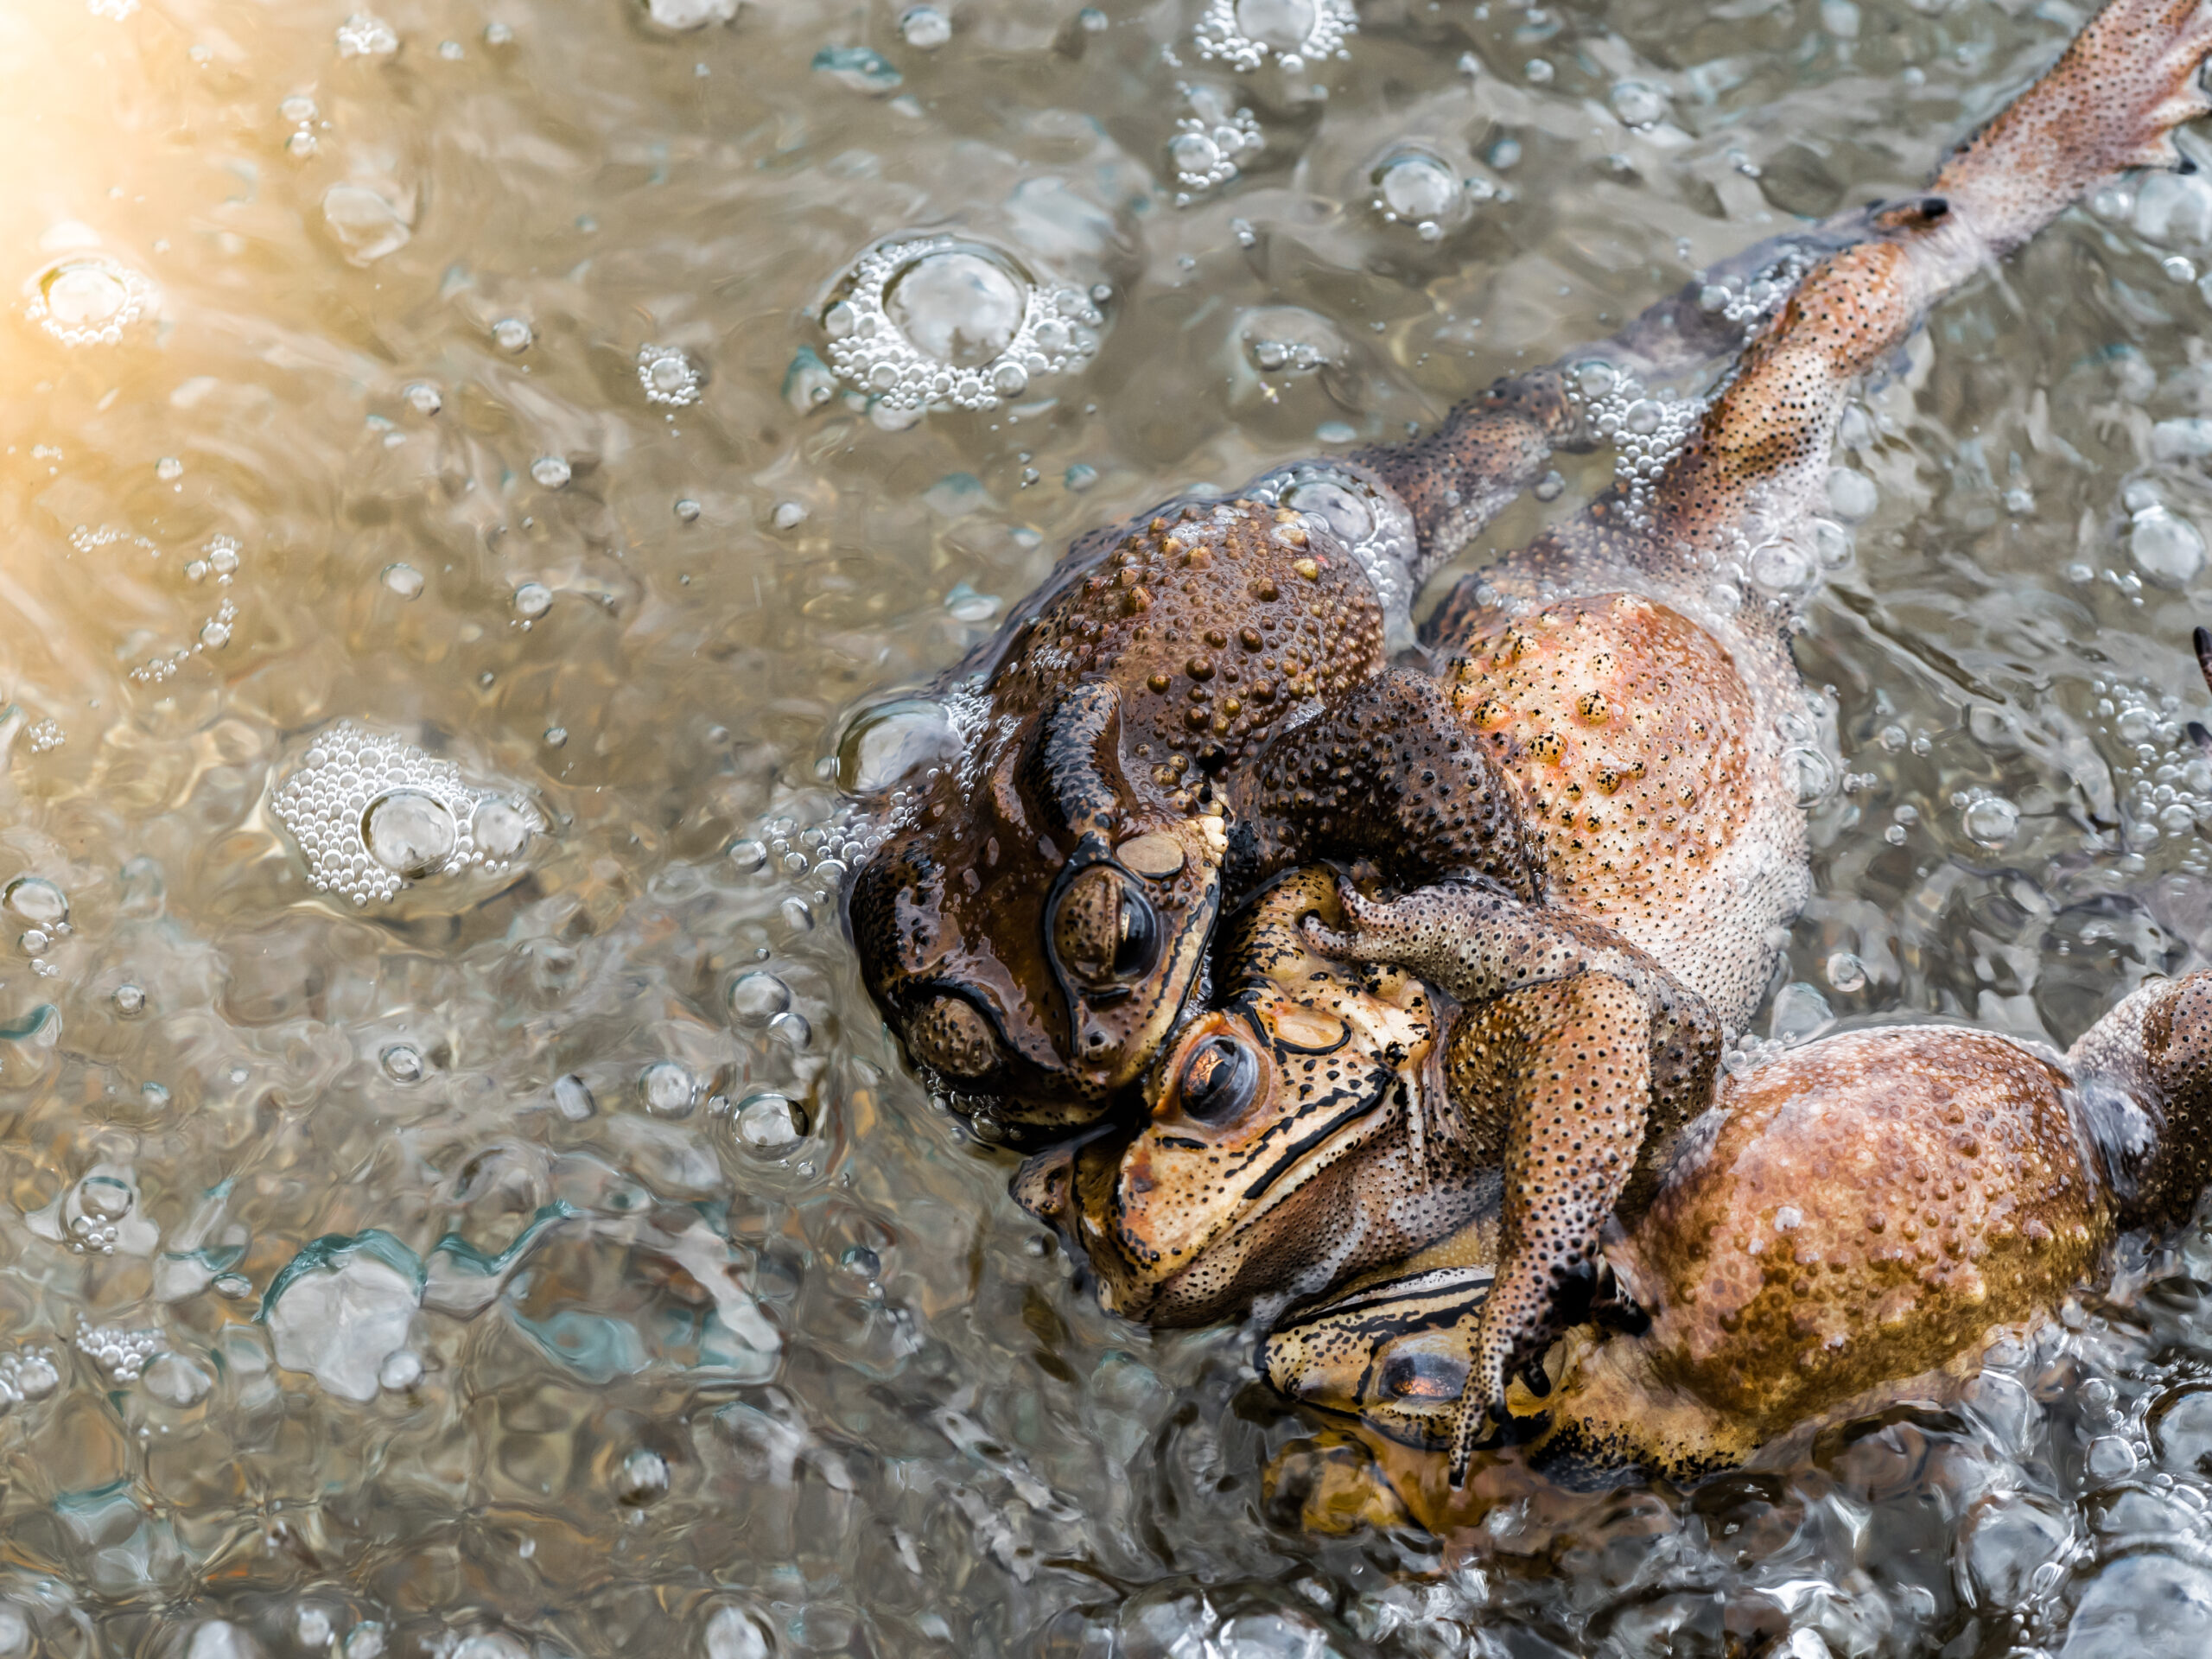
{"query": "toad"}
pixel 1608 742
pixel 1850 1227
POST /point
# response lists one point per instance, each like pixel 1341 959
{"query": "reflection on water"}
pixel 453 1196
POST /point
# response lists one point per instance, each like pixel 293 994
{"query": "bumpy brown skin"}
pixel 1849 1228
pixel 1350 1145
pixel 1111 711
pixel 1700 859
pixel 1561 632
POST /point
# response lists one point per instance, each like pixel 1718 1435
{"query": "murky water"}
pixel 465 465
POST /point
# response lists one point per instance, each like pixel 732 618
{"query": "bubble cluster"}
pixel 365 34
pixel 1414 186
pixel 371 813
pixel 46 735
pixel 218 562
pixel 28 1373
pixel 300 110
pixel 1245 34
pixel 1370 523
pixel 937 323
pixel 120 1354
pixel 668 375
pixel 1212 143
pixel 87 299
pixel 1645 430
pixel 2164 785
pixel 95 1212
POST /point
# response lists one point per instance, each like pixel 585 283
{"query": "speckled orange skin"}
pixel 1850 1227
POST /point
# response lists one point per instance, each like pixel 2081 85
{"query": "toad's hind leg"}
pixel 1755 466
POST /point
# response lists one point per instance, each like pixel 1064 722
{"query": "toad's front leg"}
pixel 1573 1049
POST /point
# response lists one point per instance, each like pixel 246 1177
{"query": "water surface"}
pixel 453 1195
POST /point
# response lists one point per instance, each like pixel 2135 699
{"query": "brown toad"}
pixel 1610 742
pixel 1851 1226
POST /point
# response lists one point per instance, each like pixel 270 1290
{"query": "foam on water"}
pixel 938 322
pixel 371 813
pixel 88 300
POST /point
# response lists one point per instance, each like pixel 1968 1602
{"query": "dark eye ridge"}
pixel 1219 1080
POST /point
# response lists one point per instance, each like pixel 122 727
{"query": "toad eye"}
pixel 1219 1080
pixel 950 1034
pixel 1104 933
pixel 1423 1375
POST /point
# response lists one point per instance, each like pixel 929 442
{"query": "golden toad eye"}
pixel 1104 933
pixel 950 1034
pixel 1423 1375
pixel 1220 1079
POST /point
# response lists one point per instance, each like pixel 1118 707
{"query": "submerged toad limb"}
pixel 1573 1053
pixel 1851 1225
pixel 1304 1131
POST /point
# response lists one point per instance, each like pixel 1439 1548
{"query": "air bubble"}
pixel 757 997
pixel 410 833
pixel 365 34
pixel 895 742
pixel 402 1370
pixel 403 580
pixel 770 1124
pixel 669 1089
pixel 37 900
pixel 532 600
pixel 1991 820
pixel 1638 103
pixel 641 1478
pixel 925 27
pixel 685 14
pixel 550 471
pixel 1419 188
pixel 748 855
pixel 424 399
pixel 88 300
pixel 1852 495
pixel 512 334
pixel 668 375
pixel 952 323
pixel 129 1000
pixel 501 829
pixel 402 1064
pixel 572 1098
pixel 2168 550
